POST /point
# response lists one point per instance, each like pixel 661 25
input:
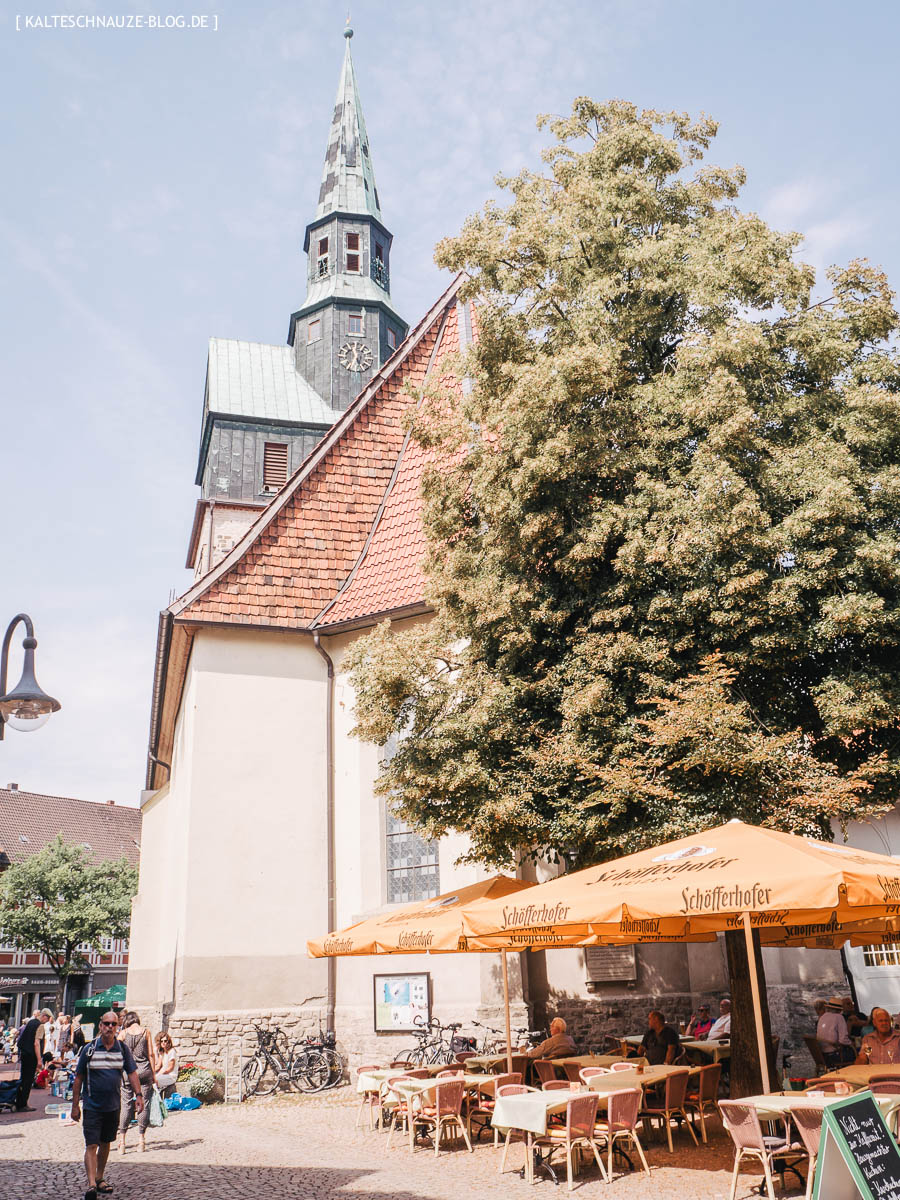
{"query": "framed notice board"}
pixel 858 1157
pixel 400 999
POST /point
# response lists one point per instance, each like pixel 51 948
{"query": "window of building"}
pixel 352 254
pixel 322 267
pixel 392 339
pixel 355 323
pixel 882 956
pixel 107 945
pixel 275 466
pixel 379 252
pixel 314 330
pixel 411 863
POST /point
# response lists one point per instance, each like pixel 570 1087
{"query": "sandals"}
pixel 103 1188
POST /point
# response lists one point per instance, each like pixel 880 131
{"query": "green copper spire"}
pixel 348 180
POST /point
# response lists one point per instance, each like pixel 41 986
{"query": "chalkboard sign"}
pixel 858 1156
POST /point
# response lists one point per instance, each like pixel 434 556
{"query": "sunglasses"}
pixel 113 1024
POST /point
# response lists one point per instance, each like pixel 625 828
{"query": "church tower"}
pixel 347 326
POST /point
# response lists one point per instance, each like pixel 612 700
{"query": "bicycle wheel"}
pixel 251 1075
pixel 310 1071
pixel 335 1066
pixel 269 1079
pixel 410 1058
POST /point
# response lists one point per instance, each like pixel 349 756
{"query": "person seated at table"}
pixel 721 1027
pixel 557 1045
pixel 833 1036
pixel 856 1021
pixel 883 1046
pixel 661 1043
pixel 700 1023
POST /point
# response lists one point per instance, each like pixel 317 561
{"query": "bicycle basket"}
pixel 459 1045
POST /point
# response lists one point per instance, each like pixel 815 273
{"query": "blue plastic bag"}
pixel 179 1103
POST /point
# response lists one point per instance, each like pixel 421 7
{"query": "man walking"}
pixel 99 1076
pixel 30 1054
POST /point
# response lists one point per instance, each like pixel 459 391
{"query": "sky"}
pixel 156 187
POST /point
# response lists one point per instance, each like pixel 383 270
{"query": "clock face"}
pixel 355 356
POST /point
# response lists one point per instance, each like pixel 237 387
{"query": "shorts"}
pixel 99 1127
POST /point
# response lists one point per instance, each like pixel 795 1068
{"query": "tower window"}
pixel 275 466
pixel 353 252
pixel 355 323
pixel 314 330
pixel 379 252
pixel 392 339
pixel 322 263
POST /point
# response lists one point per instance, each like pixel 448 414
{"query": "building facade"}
pixel 108 832
pixel 261 828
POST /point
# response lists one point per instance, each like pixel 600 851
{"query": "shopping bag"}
pixel 157 1109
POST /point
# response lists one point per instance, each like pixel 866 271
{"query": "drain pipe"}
pixel 331 920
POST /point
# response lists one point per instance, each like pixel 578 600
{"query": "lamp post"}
pixel 26 707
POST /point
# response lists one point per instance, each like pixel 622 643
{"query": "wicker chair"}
pixel 545 1070
pixel 622 1115
pixel 809 1126
pixel 581 1115
pixel 671 1104
pixel 482 1104
pixel 464 1055
pixel 444 1114
pixel 742 1123
pixel 588 1073
pixel 573 1072
pixel 623 1066
pixel 705 1098
pixel 815 1053
pixel 370 1101
pixel 401 1109
pixel 559 1085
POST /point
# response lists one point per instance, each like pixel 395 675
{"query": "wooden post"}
pixel 506 1009
pixel 757 1006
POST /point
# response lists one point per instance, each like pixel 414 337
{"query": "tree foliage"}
pixel 59 899
pixel 663 524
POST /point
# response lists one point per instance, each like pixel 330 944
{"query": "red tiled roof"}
pixel 388 575
pixel 298 554
pixel 29 821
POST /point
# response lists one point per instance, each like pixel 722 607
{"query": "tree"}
pixel 59 900
pixel 670 451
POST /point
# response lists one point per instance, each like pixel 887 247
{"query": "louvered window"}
pixel 322 262
pixel 392 339
pixel 314 330
pixel 275 466
pixel 353 252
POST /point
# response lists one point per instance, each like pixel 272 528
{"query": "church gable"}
pixel 303 547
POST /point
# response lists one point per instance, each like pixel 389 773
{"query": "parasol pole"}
pixel 757 1006
pixel 506 1009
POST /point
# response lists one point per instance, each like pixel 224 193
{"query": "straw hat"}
pixel 834 1002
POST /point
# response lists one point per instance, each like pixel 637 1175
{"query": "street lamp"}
pixel 26 707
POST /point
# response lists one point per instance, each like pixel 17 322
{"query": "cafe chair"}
pixel 450 1073
pixel 573 1072
pixel 519 1063
pixel 399 1106
pixel 705 1098
pixel 370 1101
pixel 886 1087
pixel 443 1115
pixel 545 1070
pixel 510 1089
pixel 464 1055
pixel 559 1085
pixel 741 1121
pixel 588 1073
pixel 482 1104
pixel 623 1066
pixel 824 1085
pixel 815 1053
pixel 622 1115
pixel 809 1126
pixel 581 1115
pixel 887 1078
pixel 671 1105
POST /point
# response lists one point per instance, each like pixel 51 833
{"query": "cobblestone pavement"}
pixel 307 1148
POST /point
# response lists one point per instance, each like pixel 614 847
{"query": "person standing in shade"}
pixel 140 1043
pixel 99 1075
pixel 30 1046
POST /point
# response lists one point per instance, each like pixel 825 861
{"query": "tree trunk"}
pixel 746 1076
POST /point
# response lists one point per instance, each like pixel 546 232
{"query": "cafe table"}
pixel 594 1060
pixel 412 1090
pixel 778 1105
pixel 528 1112
pixel 859 1074
pixel 715 1050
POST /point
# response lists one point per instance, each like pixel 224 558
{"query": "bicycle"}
pixel 325 1044
pixel 271 1066
pixel 432 1047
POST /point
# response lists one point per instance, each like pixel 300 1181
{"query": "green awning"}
pixel 112 995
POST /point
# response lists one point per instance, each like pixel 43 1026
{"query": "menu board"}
pixel 858 1157
pixel 402 1003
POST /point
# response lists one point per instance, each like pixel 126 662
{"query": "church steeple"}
pixel 347 325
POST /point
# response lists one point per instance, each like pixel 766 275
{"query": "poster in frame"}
pixel 400 1000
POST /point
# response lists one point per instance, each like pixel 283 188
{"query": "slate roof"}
pixel 253 380
pixel 348 178
pixel 29 821
pixel 299 553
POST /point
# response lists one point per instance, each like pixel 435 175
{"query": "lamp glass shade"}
pixel 25 719
pixel 27 706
